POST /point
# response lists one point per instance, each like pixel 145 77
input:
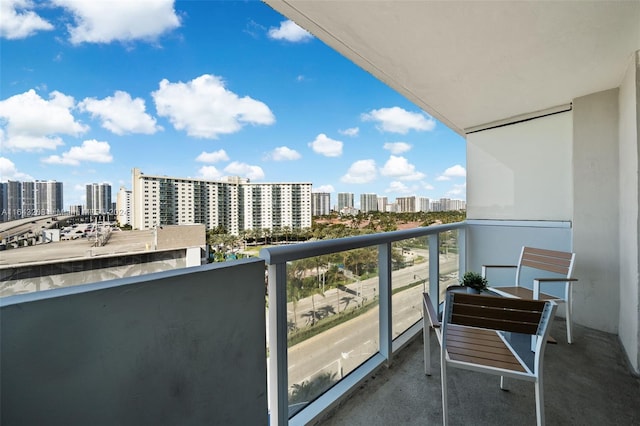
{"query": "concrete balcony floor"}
pixel 586 383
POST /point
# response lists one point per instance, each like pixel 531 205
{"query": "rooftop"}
pixel 122 242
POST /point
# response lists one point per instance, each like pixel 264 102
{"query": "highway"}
pixel 20 229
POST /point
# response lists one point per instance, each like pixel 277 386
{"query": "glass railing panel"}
pixel 449 261
pixel 333 320
pixel 409 279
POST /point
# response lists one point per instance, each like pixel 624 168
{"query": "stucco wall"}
pixel 629 317
pixel 596 204
pixel 182 347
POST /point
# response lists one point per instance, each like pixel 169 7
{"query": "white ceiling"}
pixel 469 63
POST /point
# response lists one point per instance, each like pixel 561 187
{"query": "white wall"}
pixel 629 317
pixel 596 202
pixel 521 171
pixel 184 347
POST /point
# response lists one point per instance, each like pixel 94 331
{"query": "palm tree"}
pixel 309 390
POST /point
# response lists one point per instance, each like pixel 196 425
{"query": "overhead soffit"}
pixel 469 63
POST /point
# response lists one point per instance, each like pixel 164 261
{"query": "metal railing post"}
pixel 384 280
pixel 462 251
pixel 278 382
pixel 434 268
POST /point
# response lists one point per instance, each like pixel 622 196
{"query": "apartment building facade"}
pixel 32 198
pixel 98 198
pixel 123 207
pixel 235 204
pixel 320 203
pixel 407 204
pixel 345 201
pixel 368 202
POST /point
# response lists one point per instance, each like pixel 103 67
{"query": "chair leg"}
pixel 426 336
pixel 569 320
pixel 443 378
pixel 539 403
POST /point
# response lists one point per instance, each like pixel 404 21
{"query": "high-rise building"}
pixel 123 207
pixel 320 203
pixel 48 197
pixel 457 205
pixel 14 200
pixel 75 209
pixel 234 204
pixel 446 204
pixel 423 204
pixel 368 202
pixel 28 190
pixel 27 199
pixel 345 201
pixel 407 204
pixel 98 198
pixel 3 202
pixel 382 204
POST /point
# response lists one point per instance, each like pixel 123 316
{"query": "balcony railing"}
pixel 339 309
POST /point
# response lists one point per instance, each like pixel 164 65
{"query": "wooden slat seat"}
pixel 481 347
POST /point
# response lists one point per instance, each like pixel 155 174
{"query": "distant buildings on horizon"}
pixel 413 204
pixel 19 200
pixel 233 204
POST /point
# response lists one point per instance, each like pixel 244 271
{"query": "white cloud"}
pixel 107 21
pixel 9 171
pixel 90 151
pixel 362 171
pixel 352 131
pixel 213 157
pixel 33 123
pixel 427 186
pixel 324 188
pixel 209 172
pixel 120 114
pixel 398 120
pixel 457 190
pixel 397 147
pixel 326 146
pixel 400 168
pixel 283 153
pixel 245 170
pixel 453 172
pixel 19 21
pixel 398 188
pixel 289 31
pixel 204 108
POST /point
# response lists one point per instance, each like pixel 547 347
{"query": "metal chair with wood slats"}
pixel 556 265
pixel 475 335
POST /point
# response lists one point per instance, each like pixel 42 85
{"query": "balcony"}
pixel 188 346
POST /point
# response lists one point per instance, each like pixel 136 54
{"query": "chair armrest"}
pixel 550 280
pixel 538 281
pixel 485 267
pixel 431 312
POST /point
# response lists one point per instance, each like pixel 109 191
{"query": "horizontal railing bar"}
pixel 281 254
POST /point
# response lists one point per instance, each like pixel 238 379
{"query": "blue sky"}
pixel 207 89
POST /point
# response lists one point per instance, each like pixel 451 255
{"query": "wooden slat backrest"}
pixel 496 313
pixel 548 260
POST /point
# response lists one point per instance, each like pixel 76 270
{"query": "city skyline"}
pixel 205 90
